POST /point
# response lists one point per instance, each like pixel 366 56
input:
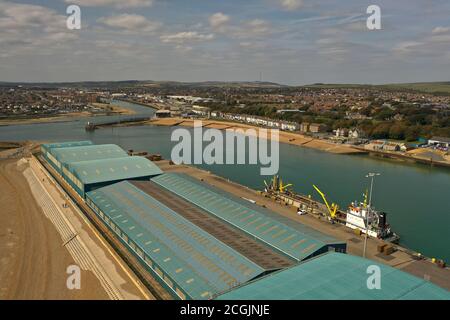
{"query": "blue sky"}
pixel 287 41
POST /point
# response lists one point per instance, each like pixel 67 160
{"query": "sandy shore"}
pixel 107 110
pixel 285 137
pixel 33 264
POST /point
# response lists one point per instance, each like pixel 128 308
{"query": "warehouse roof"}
pixel 97 171
pixel 200 264
pixel 287 236
pixel 90 152
pixel 337 276
pixel 69 144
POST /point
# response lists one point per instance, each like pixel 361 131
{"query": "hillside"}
pixel 425 87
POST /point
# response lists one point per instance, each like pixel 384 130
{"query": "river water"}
pixel 416 197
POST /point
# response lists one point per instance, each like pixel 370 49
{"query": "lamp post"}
pixel 370 175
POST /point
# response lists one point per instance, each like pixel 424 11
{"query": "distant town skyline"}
pixel 291 42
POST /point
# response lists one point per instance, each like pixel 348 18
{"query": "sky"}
pixel 291 42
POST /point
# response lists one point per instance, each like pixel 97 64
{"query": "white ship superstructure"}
pixel 360 217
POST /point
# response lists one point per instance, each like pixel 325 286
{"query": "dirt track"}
pixel 33 261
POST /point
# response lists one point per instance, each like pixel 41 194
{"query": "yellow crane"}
pixel 365 198
pixel 276 184
pixel 331 209
pixel 282 187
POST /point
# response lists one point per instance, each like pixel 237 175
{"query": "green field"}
pixel 425 87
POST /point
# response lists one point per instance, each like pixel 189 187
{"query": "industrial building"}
pixel 186 260
pixel 85 176
pixel 85 166
pixel 48 148
pixel 337 276
pixel 190 248
pixel 200 242
pixel 289 238
pixel 87 153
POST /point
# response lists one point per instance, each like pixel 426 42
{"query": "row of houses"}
pixel 385 145
pixel 184 111
pixel 258 121
pixel 306 127
pixel 353 133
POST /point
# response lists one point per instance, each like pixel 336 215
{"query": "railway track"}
pixel 76 247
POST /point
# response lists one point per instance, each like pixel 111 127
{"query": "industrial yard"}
pixel 157 230
pixel 402 259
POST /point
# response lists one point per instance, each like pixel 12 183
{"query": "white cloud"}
pixel 131 22
pixel 120 4
pixel 441 38
pixel 439 30
pixel 24 16
pixel 253 28
pixel 407 47
pixel 187 36
pixel 31 29
pixel 218 19
pixel 436 44
pixel 291 5
pixel 256 28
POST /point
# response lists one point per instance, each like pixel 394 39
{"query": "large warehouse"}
pixel 188 261
pixel 337 276
pixel 85 166
pixel 87 153
pixel 285 236
pixel 85 176
pixel 191 251
pixel 47 150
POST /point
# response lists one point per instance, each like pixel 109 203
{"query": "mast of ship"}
pixel 370 175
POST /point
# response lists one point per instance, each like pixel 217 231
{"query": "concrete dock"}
pixel 401 258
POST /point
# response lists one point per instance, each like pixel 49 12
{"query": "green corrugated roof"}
pixel 200 264
pixel 68 144
pixel 96 171
pixel 90 152
pixel 294 240
pixel 336 276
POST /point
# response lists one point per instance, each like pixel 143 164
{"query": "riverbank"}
pixel 153 106
pixel 107 110
pixel 410 193
pixel 421 156
pixel 403 258
pixel 284 136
